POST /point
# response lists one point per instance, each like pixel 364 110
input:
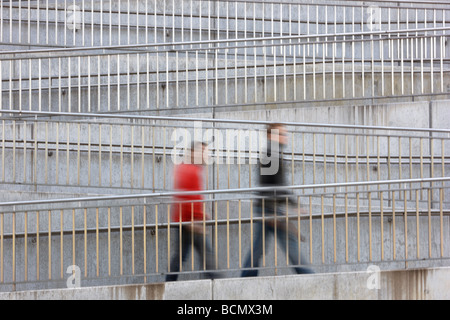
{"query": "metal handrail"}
pixel 331 38
pixel 215 120
pixel 325 2
pixel 224 191
pixel 310 37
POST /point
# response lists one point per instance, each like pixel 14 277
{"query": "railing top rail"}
pixel 363 3
pixel 298 129
pixel 222 191
pixel 215 120
pixel 197 45
pixel 426 4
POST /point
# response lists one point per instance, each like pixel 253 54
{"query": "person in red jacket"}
pixel 189 210
pixel 188 177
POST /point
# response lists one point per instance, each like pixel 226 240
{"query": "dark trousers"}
pixel 191 239
pixel 258 244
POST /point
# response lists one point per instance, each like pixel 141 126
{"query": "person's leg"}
pixel 203 246
pixel 257 252
pixel 292 249
pixel 260 237
pixel 175 261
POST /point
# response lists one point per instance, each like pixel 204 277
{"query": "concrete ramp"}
pixel 415 284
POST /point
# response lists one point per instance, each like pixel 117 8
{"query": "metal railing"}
pixel 367 66
pixel 120 153
pixel 85 23
pixel 129 238
pixel 366 194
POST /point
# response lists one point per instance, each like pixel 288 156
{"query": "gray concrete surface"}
pixel 412 284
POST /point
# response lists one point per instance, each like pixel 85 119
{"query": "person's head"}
pixel 198 152
pixel 277 133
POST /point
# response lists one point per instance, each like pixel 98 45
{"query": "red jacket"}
pixel 188 177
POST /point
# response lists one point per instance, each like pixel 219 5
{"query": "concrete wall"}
pixel 149 81
pixel 321 18
pixel 41 165
pixel 413 284
pixel 158 83
pixel 328 251
pixel 422 114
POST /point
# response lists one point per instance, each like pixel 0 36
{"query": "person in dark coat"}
pixel 273 203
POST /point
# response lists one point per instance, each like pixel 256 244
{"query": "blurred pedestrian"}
pixel 188 212
pixel 273 204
